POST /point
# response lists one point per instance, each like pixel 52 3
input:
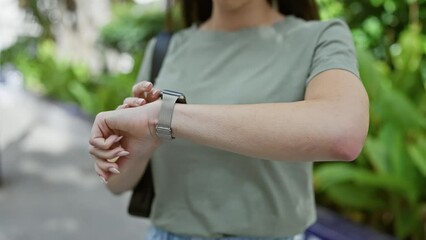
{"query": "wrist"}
pixel 153 118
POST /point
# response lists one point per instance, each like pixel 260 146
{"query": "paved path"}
pixel 50 190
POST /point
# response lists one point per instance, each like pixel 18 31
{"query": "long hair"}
pixel 198 11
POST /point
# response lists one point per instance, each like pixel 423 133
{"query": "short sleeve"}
pixel 145 68
pixel 334 50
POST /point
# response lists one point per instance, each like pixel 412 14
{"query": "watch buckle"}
pixel 164 132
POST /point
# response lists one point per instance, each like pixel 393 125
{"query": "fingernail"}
pixel 140 101
pixel 103 180
pixel 118 139
pixel 113 160
pixel 114 170
pixel 146 84
pixel 123 153
pixel 156 92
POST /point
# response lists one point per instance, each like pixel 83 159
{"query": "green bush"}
pixel 69 82
pixel 131 31
pixel 61 80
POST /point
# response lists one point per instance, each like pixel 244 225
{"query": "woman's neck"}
pixel 253 13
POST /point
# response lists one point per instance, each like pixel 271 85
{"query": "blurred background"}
pixel 63 61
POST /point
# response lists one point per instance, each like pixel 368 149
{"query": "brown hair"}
pixel 198 11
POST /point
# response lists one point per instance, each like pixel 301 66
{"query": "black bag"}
pixel 144 193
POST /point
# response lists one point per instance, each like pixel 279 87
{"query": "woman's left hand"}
pixel 142 93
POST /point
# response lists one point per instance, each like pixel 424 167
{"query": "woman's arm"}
pixel 130 174
pixel 330 124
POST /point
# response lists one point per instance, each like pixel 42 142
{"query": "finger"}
pixel 108 154
pixel 105 144
pixel 107 167
pixel 141 88
pixel 134 101
pixel 122 106
pixel 104 175
pixel 100 129
pixel 115 145
pixel 153 95
pixel 113 160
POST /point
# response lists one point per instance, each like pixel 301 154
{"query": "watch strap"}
pixel 163 128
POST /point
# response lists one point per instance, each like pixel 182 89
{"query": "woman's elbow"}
pixel 347 152
pixel 347 145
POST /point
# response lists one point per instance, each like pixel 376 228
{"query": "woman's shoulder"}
pixel 177 38
pixel 314 28
pixel 180 37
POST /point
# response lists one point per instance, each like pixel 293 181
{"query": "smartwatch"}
pixel 169 98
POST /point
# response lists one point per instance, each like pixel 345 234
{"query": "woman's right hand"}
pixel 123 135
pixel 142 93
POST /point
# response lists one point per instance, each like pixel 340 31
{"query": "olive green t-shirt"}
pixel 207 192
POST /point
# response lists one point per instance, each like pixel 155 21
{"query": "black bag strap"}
pixel 143 194
pixel 160 51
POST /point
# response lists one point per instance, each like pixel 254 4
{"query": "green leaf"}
pixel 408 221
pixel 408 60
pixel 418 156
pixel 329 175
pixel 357 197
pixel 373 73
pixel 399 110
pixel 83 96
pixel 391 137
pixel 377 155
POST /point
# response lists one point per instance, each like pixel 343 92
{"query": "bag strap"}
pixel 160 51
pixel 162 41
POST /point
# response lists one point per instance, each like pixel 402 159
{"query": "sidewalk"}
pixel 50 190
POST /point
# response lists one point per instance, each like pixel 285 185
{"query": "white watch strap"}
pixel 164 128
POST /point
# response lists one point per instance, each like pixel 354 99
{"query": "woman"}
pixel 268 94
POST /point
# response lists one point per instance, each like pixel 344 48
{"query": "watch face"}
pixel 180 96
